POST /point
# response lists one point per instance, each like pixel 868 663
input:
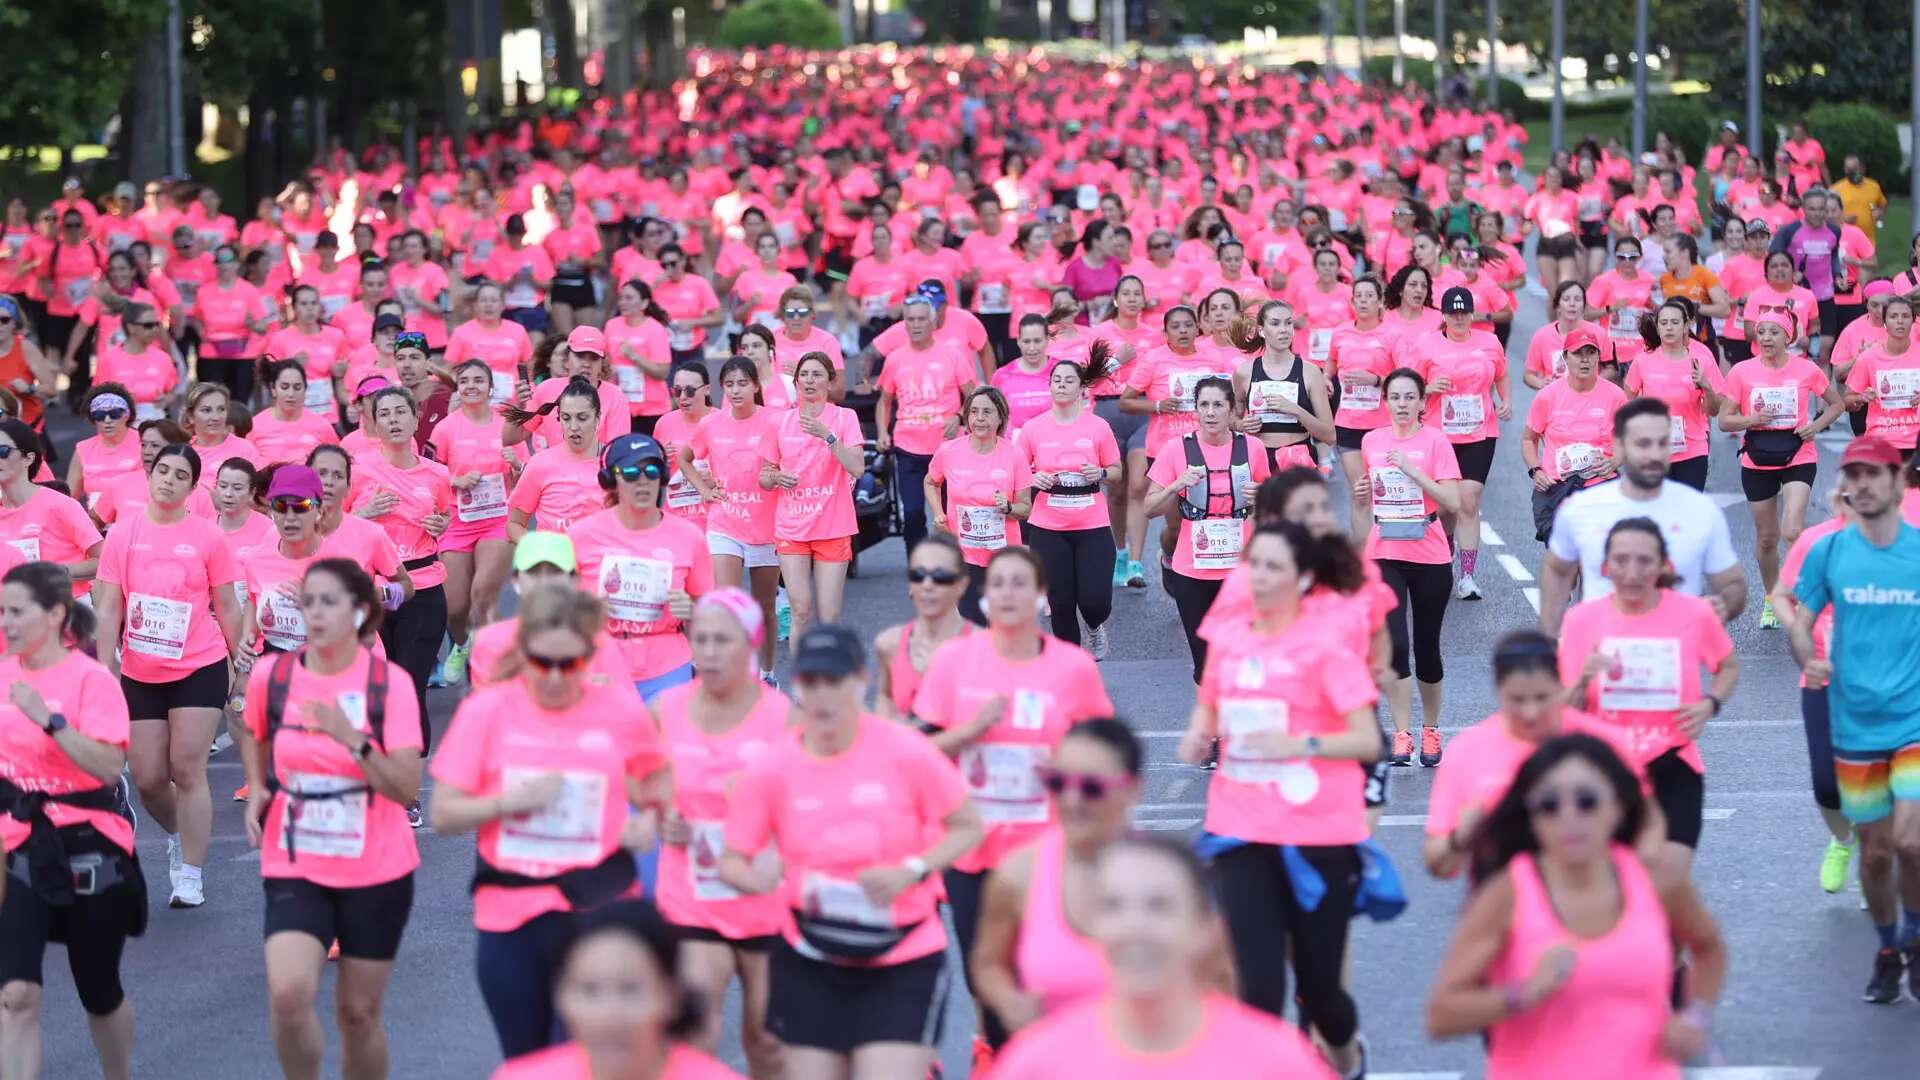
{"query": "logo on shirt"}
pixel 869 794
pixel 1876 596
pixel 596 741
pixel 185 551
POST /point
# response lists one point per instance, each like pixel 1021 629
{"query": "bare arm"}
pixel 1556 585
pixel 997 934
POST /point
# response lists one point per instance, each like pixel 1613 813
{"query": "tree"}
pixel 68 67
pixel 803 24
pixel 1224 20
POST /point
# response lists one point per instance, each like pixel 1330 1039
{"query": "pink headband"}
pixel 740 604
pixel 1782 319
pixel 1882 287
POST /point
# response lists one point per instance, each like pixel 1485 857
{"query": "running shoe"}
pixel 1097 642
pixel 414 817
pixel 1429 746
pixel 1359 1071
pixel 191 893
pixel 1120 569
pixel 982 1058
pixel 241 793
pixel 439 677
pixel 1884 987
pixel 1913 970
pixel 1403 748
pixel 174 860
pixel 1467 589
pixel 772 680
pixel 454 670
pixel 1833 867
pixel 1768 620
pixel 123 795
pixel 1136 574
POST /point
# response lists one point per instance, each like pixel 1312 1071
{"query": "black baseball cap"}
pixel 1456 301
pixel 829 649
pixel 389 321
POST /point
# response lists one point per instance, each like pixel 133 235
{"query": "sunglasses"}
pixel 7 451
pixel 225 262
pixel 631 473
pixel 1091 786
pixel 674 265
pixel 918 574
pixel 1584 800
pixel 1162 245
pixel 146 325
pixel 287 504
pixel 1629 256
pixel 565 665
pixel 796 312
pixel 101 416
pixel 6 320
pixel 410 339
pixel 685 391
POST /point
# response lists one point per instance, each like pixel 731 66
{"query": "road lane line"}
pixel 1490 536
pixel 1516 569
pixel 1533 597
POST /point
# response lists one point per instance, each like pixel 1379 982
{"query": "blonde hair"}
pixel 552 606
pixel 200 392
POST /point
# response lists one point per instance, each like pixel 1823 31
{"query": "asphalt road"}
pixel 1791 1010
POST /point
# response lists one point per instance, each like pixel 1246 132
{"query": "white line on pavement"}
pixel 1516 569
pixel 1490 536
pixel 1533 597
pixel 1387 821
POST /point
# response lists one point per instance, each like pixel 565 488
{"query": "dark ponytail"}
pixel 51 586
pixel 577 386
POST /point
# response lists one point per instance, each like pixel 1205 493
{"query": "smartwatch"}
pixel 1313 746
pixel 832 438
pixel 1717 703
pixel 56 722
pixel 918 867
pixel 361 752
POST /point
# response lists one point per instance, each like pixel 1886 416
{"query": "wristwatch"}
pixel 831 438
pixel 361 752
pixel 918 867
pixel 1717 703
pixel 55 722
pixel 1313 746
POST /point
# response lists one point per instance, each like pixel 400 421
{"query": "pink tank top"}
pixel 689 890
pixel 1606 1020
pixel 903 680
pixel 1051 958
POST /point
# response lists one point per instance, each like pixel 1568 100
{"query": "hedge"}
pixel 798 24
pixel 1857 129
pixel 1688 121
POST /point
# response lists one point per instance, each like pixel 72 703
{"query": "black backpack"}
pixel 279 684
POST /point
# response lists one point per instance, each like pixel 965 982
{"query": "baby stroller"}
pixel 876 499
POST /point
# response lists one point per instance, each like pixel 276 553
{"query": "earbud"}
pixel 359 619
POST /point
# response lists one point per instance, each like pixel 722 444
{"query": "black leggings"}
pixel 235 373
pixel 94 929
pixel 412 635
pixel 965 893
pixel 1813 711
pixel 1079 576
pixel 974 595
pixel 1421 592
pixel 1263 915
pixel 516 969
pixel 1192 596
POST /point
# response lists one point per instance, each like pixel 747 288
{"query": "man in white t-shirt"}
pixel 1698 541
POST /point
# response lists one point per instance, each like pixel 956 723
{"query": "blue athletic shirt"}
pixel 1874 697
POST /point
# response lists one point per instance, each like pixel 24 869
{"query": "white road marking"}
pixel 1516 569
pixel 1452 729
pixel 1490 536
pixel 1754 1072
pixel 1533 597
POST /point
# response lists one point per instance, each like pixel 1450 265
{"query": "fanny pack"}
pixel 839 939
pixel 88 864
pixel 1772 449
pixel 584 887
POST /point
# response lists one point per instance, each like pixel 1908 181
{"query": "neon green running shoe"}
pixel 1768 620
pixel 454 668
pixel 1833 866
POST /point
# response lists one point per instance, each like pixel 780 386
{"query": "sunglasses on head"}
pixel 411 339
pixel 565 665
pixel 631 473
pixel 918 574
pixel 101 416
pixel 1584 801
pixel 1089 785
pixel 288 504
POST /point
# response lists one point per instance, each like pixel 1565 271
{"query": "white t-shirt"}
pixel 1696 530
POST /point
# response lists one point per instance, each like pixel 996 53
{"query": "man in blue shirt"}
pixel 1869 574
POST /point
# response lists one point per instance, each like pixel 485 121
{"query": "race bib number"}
pixel 1216 543
pixel 565 831
pixel 635 589
pixel 332 827
pixel 522 295
pixel 681 493
pixel 1069 501
pixel 982 527
pixel 993 300
pixel 77 291
pixel 1242 721
pixel 485 500
pixel 1264 397
pixel 1559 365
pixel 502 388
pixel 1182 385
pixel 1575 457
pixel 632 382
pixel 319 394
pixel 1356 398
pixel 680 340
pixel 1553 230
pixel 1779 404
pixel 1676 433
pixel 704 848
pixel 28 547
pixel 1319 344
pixel 1399 506
pixel 827 897
pixel 873 307
pixel 1004 781
pixel 1643 675
pixel 281 621
pixel 1626 322
pixel 157 626
pixel 1898 387
pixel 1462 414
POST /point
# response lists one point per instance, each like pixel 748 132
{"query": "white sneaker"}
pixel 1467 589
pixel 188 892
pixel 174 860
pixel 1097 641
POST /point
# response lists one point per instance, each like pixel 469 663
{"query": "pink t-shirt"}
pixel 1053 447
pixel 568 1062
pixel 1126 349
pixel 167 576
pixel 628 344
pixel 687 299
pixel 1352 349
pixel 632 571
pixel 1028 393
pixel 690 892
pixel 1655 374
pixel 82 690
pixel 346 843
pixel 500 738
pixel 504 348
pixel 1796 301
pixel 820 505
pixel 421 490
pixel 732 450
pixel 1399 502
pixel 101 464
pixel 875 803
pixel 683 499
pixel 1465 412
pixel 1234 1041
pixel 1894 412
pixel 466 447
pixel 1547 359
pixel 787 352
pixel 223 311
pixel 278 440
pixel 557 488
pixel 419 289
pixel 1210 547
pixel 756 294
pixel 615 420
pixel 367 544
pixel 1576 429
pixel 55 528
pixel 1783 393
pixel 1043 697
pixel 927 385
pixel 1298 683
pixel 972 480
pixel 1164 375
pixel 1635 297
pixel 1481 763
pixel 1656 661
pixel 149 374
pixel 317 353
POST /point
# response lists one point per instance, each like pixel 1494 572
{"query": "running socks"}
pixel 189 872
pixel 1887 935
pixel 1469 558
pixel 1911 932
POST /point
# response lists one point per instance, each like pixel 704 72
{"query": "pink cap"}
pixel 586 339
pixel 1881 287
pixel 740 604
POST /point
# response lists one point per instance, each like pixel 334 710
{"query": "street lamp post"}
pixel 1639 77
pixel 1755 144
pixel 1439 44
pixel 1559 112
pixel 1493 60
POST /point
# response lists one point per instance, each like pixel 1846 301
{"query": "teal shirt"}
pixel 1874 697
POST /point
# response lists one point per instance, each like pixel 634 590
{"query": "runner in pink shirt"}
pixel 559 485
pixel 1885 378
pixel 863 813
pixel 1153 921
pixel 540 558
pixel 169 624
pixel 1025 382
pixel 1633 658
pixel 794 336
pixel 714 728
pixel 142 365
pixel 809 464
pixel 1681 371
pixel 64 735
pixel 1468 396
pixel 1619 298
pixel 583 359
pixel 1564 955
pixel 1569 427
pixel 230 312
pixel 692 396
pixel 1075 459
pixel 1359 356
pixel 421 287
pixel 501 344
pixel 1162 386
pixel 721 458
pixel 642 357
pixel 331 741
pixel 563 781
pixel 288 430
pixel 1553 212
pixel 921 386
pixel 979 485
pixel 691 304
pixel 1779 295
pixel 474 549
pixel 1546 350
pixel 757 290
pixel 112 451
